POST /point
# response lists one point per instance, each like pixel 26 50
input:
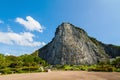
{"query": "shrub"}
pixel 18 70
pixel 67 67
pixel 75 68
pixel 117 70
pixel 83 68
pixel 6 71
pixel 30 69
pixel 106 68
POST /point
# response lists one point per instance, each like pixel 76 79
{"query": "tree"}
pixel 116 62
pixel 27 60
pixel 4 62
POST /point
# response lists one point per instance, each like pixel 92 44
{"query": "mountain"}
pixel 72 45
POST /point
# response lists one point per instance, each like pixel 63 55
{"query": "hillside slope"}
pixel 72 45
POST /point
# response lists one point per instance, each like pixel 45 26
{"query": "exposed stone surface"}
pixel 72 45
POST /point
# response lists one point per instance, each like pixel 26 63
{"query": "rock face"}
pixel 72 45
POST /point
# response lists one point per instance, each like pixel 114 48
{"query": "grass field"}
pixel 63 75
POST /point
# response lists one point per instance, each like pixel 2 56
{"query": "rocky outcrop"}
pixel 72 45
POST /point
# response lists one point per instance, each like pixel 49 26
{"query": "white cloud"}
pixel 9 29
pixel 30 24
pixel 22 39
pixel 1 21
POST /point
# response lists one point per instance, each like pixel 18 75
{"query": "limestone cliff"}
pixel 72 45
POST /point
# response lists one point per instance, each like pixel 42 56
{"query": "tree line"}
pixel 33 63
pixel 20 64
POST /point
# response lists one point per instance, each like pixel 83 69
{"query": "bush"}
pixel 6 71
pixel 58 67
pixel 92 67
pixel 30 69
pixel 67 67
pixel 75 68
pixel 117 70
pixel 84 68
pixel 105 68
pixel 19 70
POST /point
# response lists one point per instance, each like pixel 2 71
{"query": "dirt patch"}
pixel 64 75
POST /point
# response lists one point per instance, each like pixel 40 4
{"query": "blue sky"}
pixel 27 25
